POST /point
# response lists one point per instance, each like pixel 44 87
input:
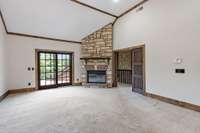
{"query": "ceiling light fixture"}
pixel 115 1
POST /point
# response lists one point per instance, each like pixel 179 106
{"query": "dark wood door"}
pixel 137 70
pixel 55 69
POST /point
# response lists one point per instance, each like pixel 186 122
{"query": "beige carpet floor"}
pixel 93 110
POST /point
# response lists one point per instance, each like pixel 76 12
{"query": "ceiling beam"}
pixel 114 21
pixel 94 8
pixel 3 20
pixel 33 36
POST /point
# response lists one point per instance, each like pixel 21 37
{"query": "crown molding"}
pixel 42 37
pixel 94 8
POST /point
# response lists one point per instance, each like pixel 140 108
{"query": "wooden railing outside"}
pixel 124 76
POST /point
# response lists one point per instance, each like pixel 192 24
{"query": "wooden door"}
pixel 137 70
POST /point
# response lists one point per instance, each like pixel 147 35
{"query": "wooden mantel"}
pixel 96 58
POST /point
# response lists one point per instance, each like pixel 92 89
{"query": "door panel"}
pixel 47 73
pixel 137 69
pixel 64 69
pixel 55 69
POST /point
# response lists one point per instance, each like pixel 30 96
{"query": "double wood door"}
pixel 138 70
pixel 54 69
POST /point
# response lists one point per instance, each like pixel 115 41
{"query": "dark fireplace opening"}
pixel 96 76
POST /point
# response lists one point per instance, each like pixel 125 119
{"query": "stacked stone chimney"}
pixel 99 47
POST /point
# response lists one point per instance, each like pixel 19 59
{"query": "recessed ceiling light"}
pixel 115 1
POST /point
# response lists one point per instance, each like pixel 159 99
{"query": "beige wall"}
pixel 21 55
pixel 3 87
pixel 170 29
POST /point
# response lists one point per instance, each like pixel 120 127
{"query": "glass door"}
pixel 55 69
pixel 64 69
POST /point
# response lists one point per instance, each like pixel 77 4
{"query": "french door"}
pixel 54 69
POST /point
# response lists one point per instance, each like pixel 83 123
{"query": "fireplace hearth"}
pixel 96 76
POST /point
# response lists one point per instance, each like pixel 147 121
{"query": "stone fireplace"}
pixel 96 60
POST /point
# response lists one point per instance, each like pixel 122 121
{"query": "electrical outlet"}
pixel 181 71
pixel 29 69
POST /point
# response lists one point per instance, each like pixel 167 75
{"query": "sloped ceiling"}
pixel 61 19
pixel 115 7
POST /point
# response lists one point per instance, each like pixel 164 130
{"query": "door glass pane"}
pixel 42 56
pixel 53 75
pixel 48 63
pixel 48 56
pixel 42 82
pixel 52 69
pixel 42 69
pixel 65 80
pixel 66 77
pixel 53 63
pixel 42 62
pixel 64 69
pixel 60 76
pixel 53 56
pixel 60 63
pixel 42 76
pixel 59 56
pixel 59 69
pixel 64 56
pixel 66 62
pixel 48 82
pixel 48 69
pixel 48 75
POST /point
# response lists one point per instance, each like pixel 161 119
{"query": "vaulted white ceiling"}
pixel 62 19
pixel 115 7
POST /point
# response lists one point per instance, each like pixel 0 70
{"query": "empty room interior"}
pixel 99 66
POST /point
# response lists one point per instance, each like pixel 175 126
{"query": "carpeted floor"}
pixel 93 110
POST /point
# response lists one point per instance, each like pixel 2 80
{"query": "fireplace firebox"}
pixel 96 76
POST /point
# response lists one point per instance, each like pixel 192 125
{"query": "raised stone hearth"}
pixel 96 51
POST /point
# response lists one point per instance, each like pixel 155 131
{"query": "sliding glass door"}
pixel 55 69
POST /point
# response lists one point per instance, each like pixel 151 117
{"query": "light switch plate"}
pixel 178 61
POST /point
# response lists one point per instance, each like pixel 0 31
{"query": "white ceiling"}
pixel 61 19
pixel 115 8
